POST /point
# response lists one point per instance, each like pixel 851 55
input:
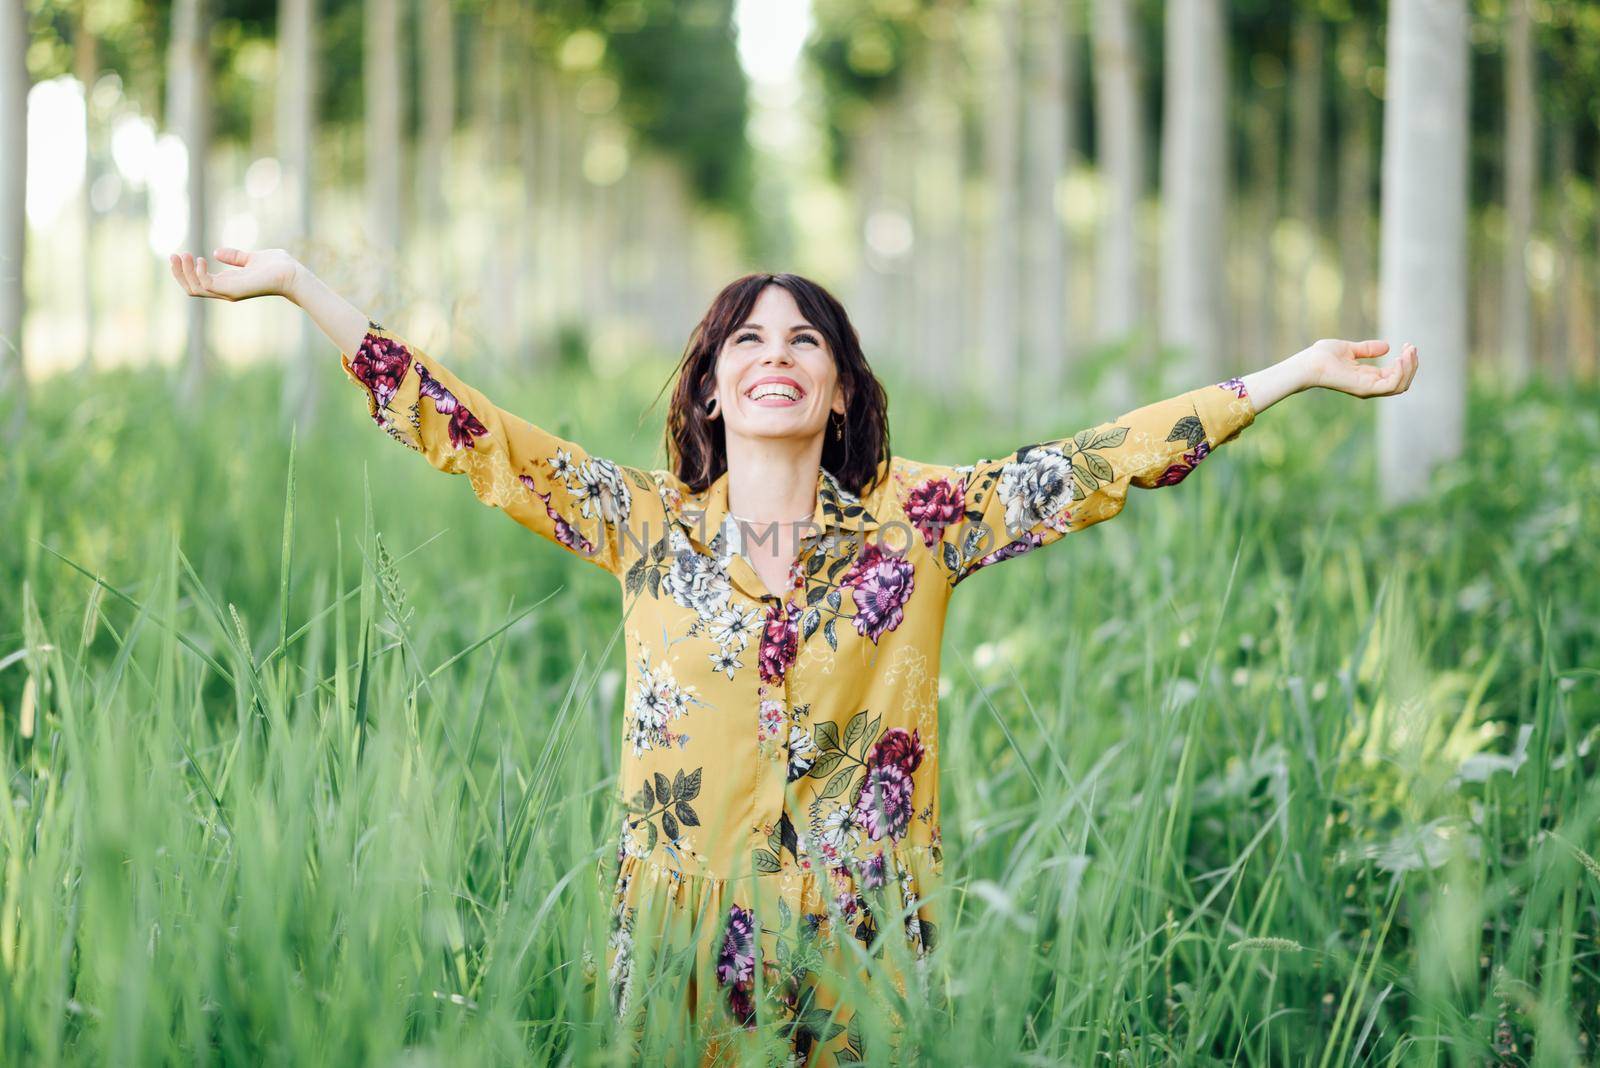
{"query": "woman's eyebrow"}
pixel 792 329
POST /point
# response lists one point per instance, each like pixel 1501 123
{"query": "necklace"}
pixel 742 519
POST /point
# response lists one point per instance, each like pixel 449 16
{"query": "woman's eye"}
pixel 750 334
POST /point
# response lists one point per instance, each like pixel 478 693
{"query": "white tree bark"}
pixel 1001 174
pixel 1044 289
pixel 1194 191
pixel 296 125
pixel 86 63
pixel 1521 163
pixel 189 91
pixel 13 217
pixel 1356 245
pixel 1119 139
pixel 1305 165
pixel 1566 310
pixel 1422 280
pixel 938 199
pixel 385 141
pixel 435 174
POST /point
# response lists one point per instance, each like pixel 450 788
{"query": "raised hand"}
pixel 1331 363
pixel 263 273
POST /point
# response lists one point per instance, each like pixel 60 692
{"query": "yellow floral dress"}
pixel 780 777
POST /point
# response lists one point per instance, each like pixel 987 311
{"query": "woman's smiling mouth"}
pixel 776 392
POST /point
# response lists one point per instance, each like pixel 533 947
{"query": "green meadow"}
pixel 309 756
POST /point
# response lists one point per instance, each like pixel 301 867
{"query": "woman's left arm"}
pixel 1000 509
pixel 1331 364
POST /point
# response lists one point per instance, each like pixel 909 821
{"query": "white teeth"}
pixel 774 389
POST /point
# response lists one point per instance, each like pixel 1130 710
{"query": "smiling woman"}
pixel 778 849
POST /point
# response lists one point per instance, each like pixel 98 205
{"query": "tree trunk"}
pixel 435 173
pixel 1423 291
pixel 296 125
pixel 189 89
pixel 385 140
pixel 938 194
pixel 13 219
pixel 1045 164
pixel 1002 377
pixel 1257 302
pixel 1194 193
pixel 1119 141
pixel 1566 306
pixel 1305 170
pixel 86 61
pixel 1521 162
pixel 1356 259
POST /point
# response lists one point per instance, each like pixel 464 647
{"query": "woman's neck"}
pixel 773 482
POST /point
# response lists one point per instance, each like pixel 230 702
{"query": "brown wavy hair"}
pixel 697 452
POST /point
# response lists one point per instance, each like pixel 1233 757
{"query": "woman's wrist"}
pixel 1269 385
pixel 343 322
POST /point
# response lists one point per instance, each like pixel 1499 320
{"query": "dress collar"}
pixel 837 509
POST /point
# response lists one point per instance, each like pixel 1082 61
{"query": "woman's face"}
pixel 775 374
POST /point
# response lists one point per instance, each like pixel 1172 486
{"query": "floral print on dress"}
pixel 880 583
pixel 658 701
pixel 790 732
pixel 934 505
pixel 736 964
pixel 780 640
pixel 464 426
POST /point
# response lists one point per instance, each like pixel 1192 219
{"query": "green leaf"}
pixel 766 861
pixel 1110 439
pixel 649 796
pixel 839 782
pixel 687 814
pixel 663 789
pixel 635 580
pixel 835 598
pixel 827 632
pixel 827 735
pixel 1100 466
pixel 809 621
pixel 872 728
pixel 952 560
pixel 655 583
pixel 669 824
pixel 677 784
pixel 853 729
pixel 691 786
pixel 658 550
pixel 1082 484
pixel 814 563
pixel 825 764
pixel 651 836
pixel 1188 429
pixel 816 593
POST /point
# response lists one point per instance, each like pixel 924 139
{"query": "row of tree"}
pixel 1034 181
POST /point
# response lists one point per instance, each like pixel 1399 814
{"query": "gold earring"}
pixel 838 429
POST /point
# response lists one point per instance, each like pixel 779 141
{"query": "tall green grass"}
pixel 308 755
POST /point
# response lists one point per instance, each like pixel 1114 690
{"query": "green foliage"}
pixel 1256 774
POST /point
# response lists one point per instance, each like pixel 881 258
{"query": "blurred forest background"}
pixel 1296 763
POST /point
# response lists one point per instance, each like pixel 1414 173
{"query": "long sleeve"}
pixel 978 514
pixel 590 506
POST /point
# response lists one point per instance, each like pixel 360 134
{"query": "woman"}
pixel 784 582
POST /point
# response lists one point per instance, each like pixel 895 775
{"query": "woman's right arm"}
pixel 598 510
